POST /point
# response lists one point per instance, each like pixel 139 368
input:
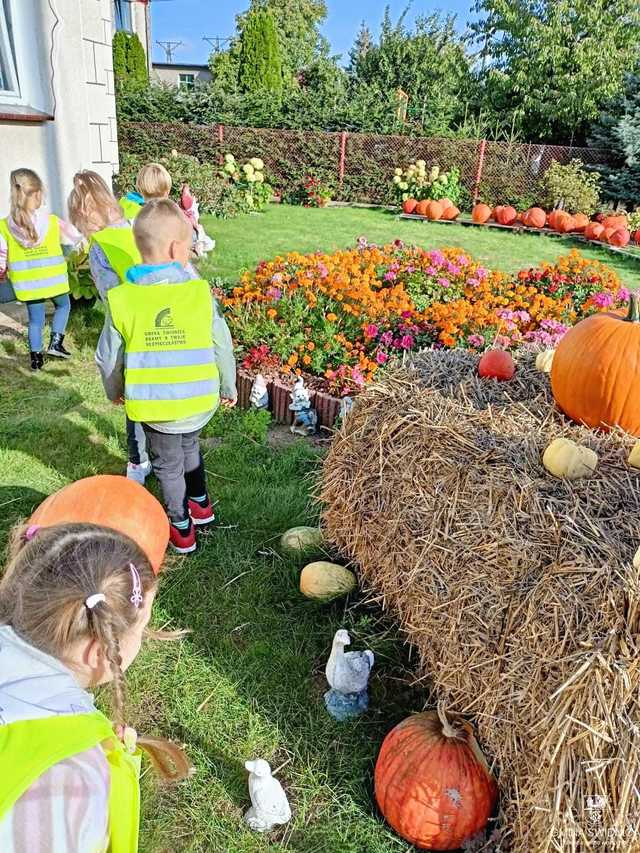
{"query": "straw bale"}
pixel 517 589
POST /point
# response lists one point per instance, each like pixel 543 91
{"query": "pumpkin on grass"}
pixel 535 217
pixel 110 501
pixel 505 215
pixel 595 377
pixel 620 238
pixel 450 213
pixel 615 222
pixel 594 231
pixel 434 211
pixel 301 540
pixel 445 202
pixel 497 364
pixel 581 221
pixel 409 205
pixel 325 581
pixel 421 208
pixel 481 214
pixel 432 783
pixel 636 237
pixel 564 222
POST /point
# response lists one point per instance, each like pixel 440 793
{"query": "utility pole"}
pixel 169 47
pixel 217 42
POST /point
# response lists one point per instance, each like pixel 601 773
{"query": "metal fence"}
pixel 358 167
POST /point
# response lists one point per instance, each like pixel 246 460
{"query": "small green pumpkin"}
pixel 325 581
pixel 302 540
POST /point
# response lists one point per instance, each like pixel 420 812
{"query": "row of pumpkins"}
pixel 604 229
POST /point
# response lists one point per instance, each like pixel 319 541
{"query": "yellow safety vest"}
pixel 36 272
pixel 130 208
pixel 170 371
pixel 31 747
pixel 119 246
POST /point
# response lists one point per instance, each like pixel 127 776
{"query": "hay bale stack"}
pixel 517 589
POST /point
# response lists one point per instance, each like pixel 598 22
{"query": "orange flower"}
pixel 292 360
pixel 271 313
pixel 306 359
pixel 311 346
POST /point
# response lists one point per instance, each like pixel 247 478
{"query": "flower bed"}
pixel 339 318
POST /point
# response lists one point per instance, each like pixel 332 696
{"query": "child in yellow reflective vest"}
pixel 166 352
pixel 153 181
pixel 96 214
pixel 32 257
pixel 75 600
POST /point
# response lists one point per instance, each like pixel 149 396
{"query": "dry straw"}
pixel 517 589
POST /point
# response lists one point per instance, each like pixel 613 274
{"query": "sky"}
pixel 189 20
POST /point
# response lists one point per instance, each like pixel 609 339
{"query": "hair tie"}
pixel 136 587
pixel 31 532
pixel 94 599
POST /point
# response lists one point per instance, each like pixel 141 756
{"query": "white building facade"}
pixel 57 98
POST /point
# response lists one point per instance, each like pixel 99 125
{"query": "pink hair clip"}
pixel 136 587
pixel 31 532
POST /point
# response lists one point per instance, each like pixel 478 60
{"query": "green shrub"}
pixel 419 182
pixel 571 187
pixel 129 59
pixel 260 60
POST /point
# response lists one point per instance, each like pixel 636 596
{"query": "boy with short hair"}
pixel 153 181
pixel 165 350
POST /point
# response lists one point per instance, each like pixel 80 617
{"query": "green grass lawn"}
pixel 249 680
pixel 243 242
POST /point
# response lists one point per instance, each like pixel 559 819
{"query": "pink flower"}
pixel 386 338
pixel 436 257
pixel 406 315
pixel 357 377
pixel 390 276
pixel 274 293
pixel 603 299
pixel 473 282
pixel 463 260
pixel 372 331
pixel 324 272
pixel 623 295
pixel 382 358
pixel 475 340
pixel 431 271
pixel 276 278
pixel 452 269
pixel 444 282
pixel 481 273
pixel 406 341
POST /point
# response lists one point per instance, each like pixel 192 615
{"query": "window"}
pixel 187 81
pixel 8 76
pixel 122 15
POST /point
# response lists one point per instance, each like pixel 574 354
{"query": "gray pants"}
pixel 178 465
pixel 136 443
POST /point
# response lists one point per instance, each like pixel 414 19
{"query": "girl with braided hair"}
pixel 75 601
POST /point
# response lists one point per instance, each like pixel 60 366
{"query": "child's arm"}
pixel 69 234
pixel 110 359
pixel 4 251
pixel 102 273
pixel 223 347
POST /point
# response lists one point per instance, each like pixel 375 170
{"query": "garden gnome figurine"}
pixel 348 676
pixel 259 398
pixel 346 405
pixel 269 804
pixel 305 420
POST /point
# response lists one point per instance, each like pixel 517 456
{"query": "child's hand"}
pixel 229 403
pixel 118 402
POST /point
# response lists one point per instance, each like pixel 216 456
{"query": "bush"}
pixel 249 182
pixel 571 187
pixel 418 183
pixel 216 194
pixel 310 191
pixel 129 60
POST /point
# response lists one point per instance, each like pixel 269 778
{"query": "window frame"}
pixel 187 85
pixel 119 7
pixel 7 50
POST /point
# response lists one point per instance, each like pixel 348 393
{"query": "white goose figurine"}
pixel 269 804
pixel 348 676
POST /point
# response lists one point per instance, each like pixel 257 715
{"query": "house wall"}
pixel 83 134
pixel 171 76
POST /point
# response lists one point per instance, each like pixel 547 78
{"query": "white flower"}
pixel 404 185
pixel 412 170
pixel 433 174
pixel 174 153
pixel 421 164
pixel 397 179
pixel 229 158
pixel 398 172
pixel 252 178
pixel 257 164
pixel 230 168
pixel 247 169
pixel 259 177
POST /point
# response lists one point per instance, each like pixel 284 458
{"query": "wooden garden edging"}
pixel 327 406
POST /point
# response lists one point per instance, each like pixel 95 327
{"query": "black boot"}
pixel 37 361
pixel 55 347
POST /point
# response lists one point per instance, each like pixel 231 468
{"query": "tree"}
pixel 260 60
pixel 129 60
pixel 618 130
pixel 554 63
pixel 359 51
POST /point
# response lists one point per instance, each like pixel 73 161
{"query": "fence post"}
pixel 343 152
pixel 221 141
pixel 476 186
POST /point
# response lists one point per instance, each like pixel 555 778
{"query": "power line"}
pixel 169 47
pixel 218 43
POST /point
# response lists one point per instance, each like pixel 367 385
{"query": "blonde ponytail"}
pixel 25 183
pixel 92 205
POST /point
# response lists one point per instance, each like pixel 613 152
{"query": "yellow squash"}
pixel 634 456
pixel 326 581
pixel 544 360
pixel 566 459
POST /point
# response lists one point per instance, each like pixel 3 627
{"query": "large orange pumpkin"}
pixel 595 376
pixel 564 222
pixel 433 784
pixel 581 221
pixel 535 217
pixel 481 213
pixel 606 234
pixel 620 238
pixel 594 231
pixel 409 205
pixel 421 208
pixel 615 222
pixel 450 213
pixel 111 501
pixel 434 211
pixel 505 215
pixel 552 219
pixel 636 237
pixel 445 202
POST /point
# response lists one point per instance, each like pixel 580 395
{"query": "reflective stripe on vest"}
pixel 36 272
pixel 130 208
pixel 170 370
pixel 120 249
pixel 31 747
